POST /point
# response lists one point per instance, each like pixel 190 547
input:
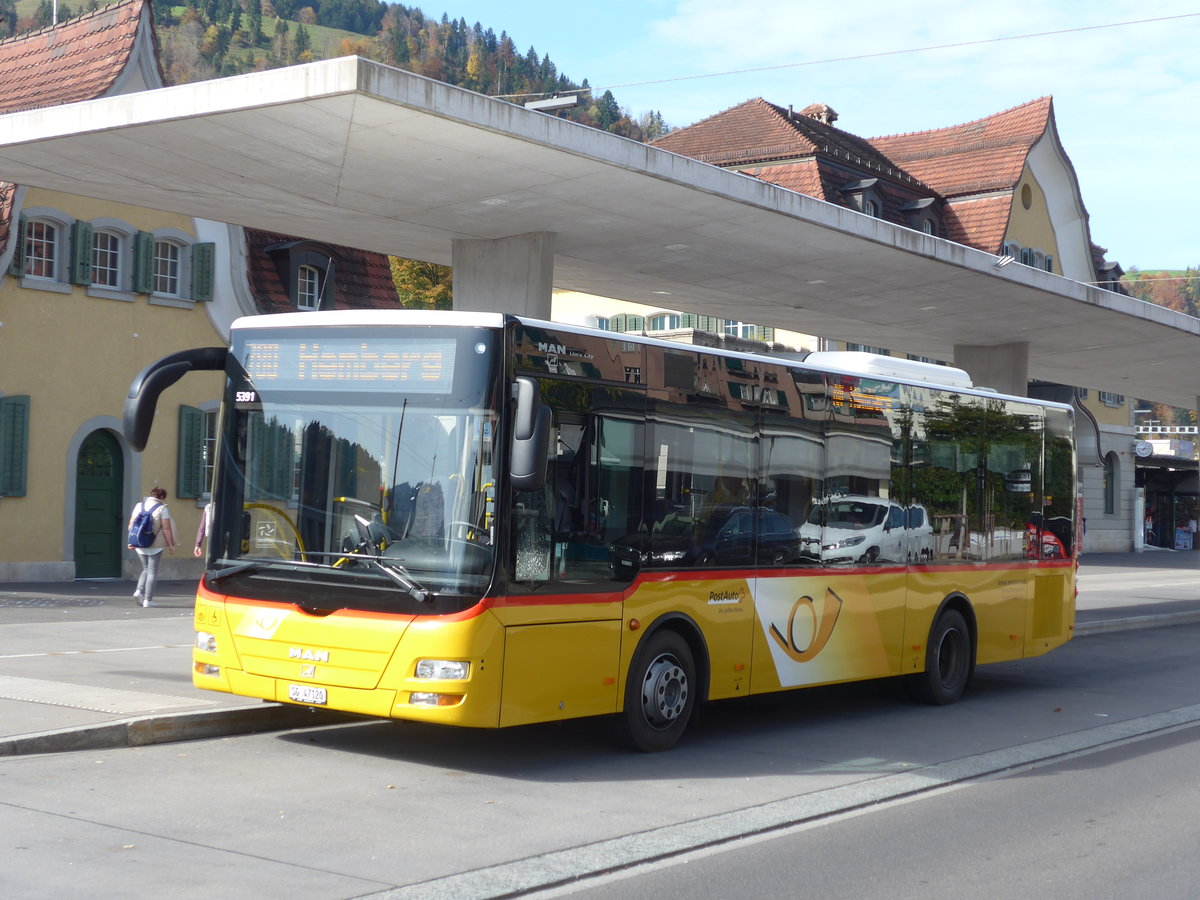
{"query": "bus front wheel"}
pixel 948 661
pixel 660 692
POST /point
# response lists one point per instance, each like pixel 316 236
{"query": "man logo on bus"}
pixel 822 627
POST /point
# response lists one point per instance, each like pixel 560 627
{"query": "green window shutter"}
pixel 81 252
pixel 617 322
pixel 14 445
pixel 709 324
pixel 764 333
pixel 189 471
pixel 143 262
pixel 17 266
pixel 636 323
pixel 689 320
pixel 203 271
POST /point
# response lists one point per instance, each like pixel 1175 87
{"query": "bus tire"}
pixel 949 659
pixel 660 692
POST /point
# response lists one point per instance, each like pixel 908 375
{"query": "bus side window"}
pixel 571 530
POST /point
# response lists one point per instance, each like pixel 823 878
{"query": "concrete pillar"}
pixel 509 275
pixel 1004 367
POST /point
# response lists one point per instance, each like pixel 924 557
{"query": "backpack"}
pixel 141 532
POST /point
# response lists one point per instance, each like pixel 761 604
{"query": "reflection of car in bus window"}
pixel 867 529
pixel 736 535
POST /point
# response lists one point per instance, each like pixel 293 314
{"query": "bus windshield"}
pixel 356 470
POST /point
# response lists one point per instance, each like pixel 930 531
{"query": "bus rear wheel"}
pixel 660 693
pixel 948 661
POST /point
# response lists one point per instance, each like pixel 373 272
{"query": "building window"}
pixel 603 323
pixel 1110 399
pixel 1049 263
pixel 166 268
pixel 42 250
pixel 663 322
pixel 308 287
pixel 867 348
pixel 1027 256
pixel 734 328
pixel 871 208
pixel 927 226
pixel 633 374
pixel 197 450
pixel 106 259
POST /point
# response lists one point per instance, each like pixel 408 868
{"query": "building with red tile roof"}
pixel 99 54
pixel 92 291
pixel 1002 184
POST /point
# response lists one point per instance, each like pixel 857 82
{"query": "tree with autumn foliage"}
pixel 1177 290
pixel 422 285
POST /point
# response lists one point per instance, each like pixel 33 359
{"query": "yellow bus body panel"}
pixel 365 663
pixel 539 659
pixel 827 627
pixel 722 607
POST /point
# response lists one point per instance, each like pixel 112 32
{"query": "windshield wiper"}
pixel 418 593
pixel 213 576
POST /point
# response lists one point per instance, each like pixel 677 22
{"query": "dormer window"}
pixel 307 272
pixel 921 215
pixel 308 287
pixel 863 196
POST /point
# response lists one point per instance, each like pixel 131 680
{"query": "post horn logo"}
pixel 823 630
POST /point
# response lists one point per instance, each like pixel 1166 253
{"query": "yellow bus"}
pixel 484 520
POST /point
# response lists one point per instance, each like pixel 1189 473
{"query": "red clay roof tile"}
pixel 985 155
pixel 75 60
pixel 363 279
pixel 979 222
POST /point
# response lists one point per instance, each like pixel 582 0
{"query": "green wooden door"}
pixel 99 518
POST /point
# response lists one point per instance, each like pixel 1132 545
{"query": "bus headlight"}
pixel 206 641
pixel 443 670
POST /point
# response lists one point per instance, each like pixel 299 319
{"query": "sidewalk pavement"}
pixel 83 667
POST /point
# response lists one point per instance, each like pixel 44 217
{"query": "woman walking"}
pixel 164 539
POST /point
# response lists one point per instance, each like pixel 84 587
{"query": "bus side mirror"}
pixel 156 378
pixel 531 437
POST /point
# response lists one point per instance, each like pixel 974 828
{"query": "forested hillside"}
pixel 214 38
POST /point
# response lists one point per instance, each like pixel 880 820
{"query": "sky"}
pixel 1126 88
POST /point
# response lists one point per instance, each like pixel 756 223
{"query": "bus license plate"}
pixel 306 693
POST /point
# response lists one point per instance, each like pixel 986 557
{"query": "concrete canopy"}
pixel 356 153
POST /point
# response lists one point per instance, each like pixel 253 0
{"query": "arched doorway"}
pixel 99 517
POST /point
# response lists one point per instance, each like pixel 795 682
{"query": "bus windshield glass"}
pixel 356 467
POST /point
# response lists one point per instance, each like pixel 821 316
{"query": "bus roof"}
pixel 372 318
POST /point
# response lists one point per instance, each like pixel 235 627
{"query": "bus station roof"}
pixel 364 155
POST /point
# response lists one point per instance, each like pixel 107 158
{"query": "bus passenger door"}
pixel 572 558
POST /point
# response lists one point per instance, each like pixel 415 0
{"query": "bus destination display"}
pixel 411 365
